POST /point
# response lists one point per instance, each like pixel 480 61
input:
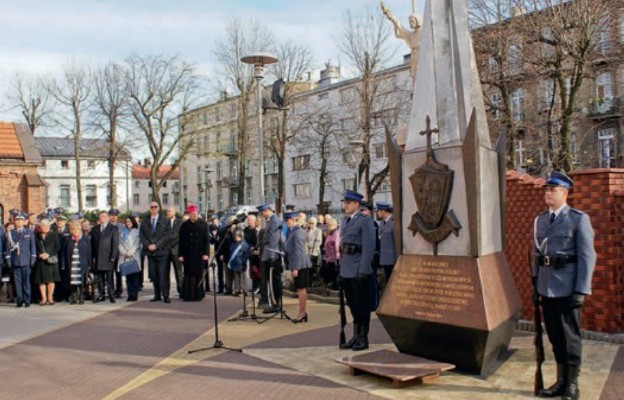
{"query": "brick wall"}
pixel 14 192
pixel 599 193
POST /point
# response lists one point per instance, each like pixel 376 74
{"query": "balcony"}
pixel 229 149
pixel 606 108
pixel 229 182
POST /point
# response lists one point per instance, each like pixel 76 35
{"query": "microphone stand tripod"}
pixel 244 315
pixel 218 344
pixel 280 301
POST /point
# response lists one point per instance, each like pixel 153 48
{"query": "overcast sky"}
pixel 40 36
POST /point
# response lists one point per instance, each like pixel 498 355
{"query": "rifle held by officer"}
pixel 341 311
pixel 538 383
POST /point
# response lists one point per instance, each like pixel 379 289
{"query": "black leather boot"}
pixel 572 391
pixel 351 342
pixel 362 341
pixel 559 387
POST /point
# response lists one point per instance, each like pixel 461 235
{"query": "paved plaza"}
pixel 140 351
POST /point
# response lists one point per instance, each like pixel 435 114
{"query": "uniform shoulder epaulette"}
pixel 574 210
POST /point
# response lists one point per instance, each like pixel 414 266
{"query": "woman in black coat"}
pixel 46 268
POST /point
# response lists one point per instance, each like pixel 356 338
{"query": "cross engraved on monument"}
pixel 432 184
pixel 451 297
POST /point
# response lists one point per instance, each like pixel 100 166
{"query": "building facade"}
pixel 209 172
pixel 59 171
pixel 510 57
pixel 142 188
pixel 21 186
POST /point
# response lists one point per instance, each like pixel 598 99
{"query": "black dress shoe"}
pixel 19 304
pixel 26 304
pixel 112 300
pixel 271 310
pixel 98 299
pixel 167 300
pixel 156 299
pixel 302 319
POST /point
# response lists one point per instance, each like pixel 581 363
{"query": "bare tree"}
pixel 499 49
pixel 365 43
pixel 241 39
pixel 294 61
pixel 567 51
pixel 160 88
pixel 548 48
pixel 28 93
pixel 319 128
pixel 73 92
pixel 111 107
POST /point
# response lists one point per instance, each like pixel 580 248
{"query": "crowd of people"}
pixel 53 257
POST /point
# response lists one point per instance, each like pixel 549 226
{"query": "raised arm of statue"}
pixel 399 31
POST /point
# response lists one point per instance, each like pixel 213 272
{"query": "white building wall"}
pixel 93 173
pixel 142 191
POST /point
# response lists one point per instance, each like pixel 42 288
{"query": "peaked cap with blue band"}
pixel 263 207
pixel 291 214
pixel 352 196
pixel 557 178
pixel 384 206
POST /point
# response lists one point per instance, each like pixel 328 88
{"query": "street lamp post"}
pixel 208 187
pixel 356 144
pixel 259 60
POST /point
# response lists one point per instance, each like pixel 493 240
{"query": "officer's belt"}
pixel 348 248
pixel 557 261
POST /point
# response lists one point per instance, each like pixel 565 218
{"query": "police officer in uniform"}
pixel 270 257
pixel 357 247
pixel 564 245
pixel 387 249
pixel 21 253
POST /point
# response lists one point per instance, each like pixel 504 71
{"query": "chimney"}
pixel 147 162
pixel 329 76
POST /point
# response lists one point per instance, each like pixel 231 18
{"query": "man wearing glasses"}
pixel 155 234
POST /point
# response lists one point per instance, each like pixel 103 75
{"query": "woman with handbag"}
pixel 129 256
pixel 46 268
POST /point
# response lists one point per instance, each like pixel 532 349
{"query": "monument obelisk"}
pixel 451 297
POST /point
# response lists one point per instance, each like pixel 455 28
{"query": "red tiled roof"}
pixel 142 172
pixel 10 146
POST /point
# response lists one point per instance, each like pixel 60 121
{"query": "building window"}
pixel 603 41
pixel 205 117
pixel 301 163
pixel 515 59
pixel 348 184
pixel 165 198
pixel 380 151
pixel 43 164
pixel 323 96
pixel 604 93
pixel 517 105
pixel 136 199
pixel 65 164
pixel 385 186
pixel 90 164
pixel 302 190
pixel 233 109
pixel 137 184
pixel 91 196
pixel 176 199
pixel 65 196
pixel 492 65
pixel 496 101
pixel 217 114
pixel 549 93
pixel 606 147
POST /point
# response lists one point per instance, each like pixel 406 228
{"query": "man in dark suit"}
pixel 175 222
pixel 113 214
pixel 564 247
pixel 155 234
pixel 105 251
pixel 62 290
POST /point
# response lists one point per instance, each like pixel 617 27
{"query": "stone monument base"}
pixel 459 310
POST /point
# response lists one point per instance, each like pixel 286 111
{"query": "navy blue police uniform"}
pixel 21 253
pixel 357 248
